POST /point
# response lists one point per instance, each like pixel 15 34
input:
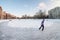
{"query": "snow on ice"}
pixel 27 29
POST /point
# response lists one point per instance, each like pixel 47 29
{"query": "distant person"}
pixel 42 25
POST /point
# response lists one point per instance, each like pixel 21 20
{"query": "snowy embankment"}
pixel 28 30
pixel 3 20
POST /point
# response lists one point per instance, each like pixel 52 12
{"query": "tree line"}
pixel 39 15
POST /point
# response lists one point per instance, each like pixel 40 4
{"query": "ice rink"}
pixel 27 29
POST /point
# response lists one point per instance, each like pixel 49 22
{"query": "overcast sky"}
pixel 29 7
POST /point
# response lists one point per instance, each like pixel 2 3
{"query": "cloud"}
pixel 42 5
pixel 54 3
pixel 49 5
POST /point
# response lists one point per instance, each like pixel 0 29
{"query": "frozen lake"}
pixel 27 29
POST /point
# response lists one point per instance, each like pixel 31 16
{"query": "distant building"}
pixel 0 12
pixel 54 13
pixel 5 15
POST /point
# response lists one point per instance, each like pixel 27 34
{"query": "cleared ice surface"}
pixel 27 29
pixel 29 23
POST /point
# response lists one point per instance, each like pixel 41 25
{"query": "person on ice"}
pixel 42 25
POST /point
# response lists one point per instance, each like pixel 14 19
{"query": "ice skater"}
pixel 42 25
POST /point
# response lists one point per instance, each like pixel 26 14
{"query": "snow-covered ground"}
pixel 27 29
